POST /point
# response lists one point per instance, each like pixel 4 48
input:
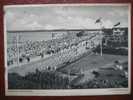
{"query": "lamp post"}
pixel 17 47
pixel 100 22
pixel 101 45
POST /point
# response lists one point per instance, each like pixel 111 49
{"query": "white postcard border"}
pixel 69 92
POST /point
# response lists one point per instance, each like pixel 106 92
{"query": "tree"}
pixel 80 34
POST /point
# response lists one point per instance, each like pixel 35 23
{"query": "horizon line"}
pixel 39 30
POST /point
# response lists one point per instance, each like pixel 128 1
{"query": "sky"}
pixel 65 17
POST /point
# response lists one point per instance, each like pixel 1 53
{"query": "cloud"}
pixel 26 22
pixel 34 25
pixel 60 22
pixel 48 26
pixel 63 18
pixel 118 12
pixel 10 15
pixel 107 24
pixel 77 22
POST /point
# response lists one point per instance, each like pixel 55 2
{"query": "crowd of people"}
pixel 30 49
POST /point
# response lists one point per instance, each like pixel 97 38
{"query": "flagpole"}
pixel 101 41
pixel 17 48
pixel 101 46
pixel 99 21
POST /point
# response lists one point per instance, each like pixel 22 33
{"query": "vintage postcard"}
pixel 67 49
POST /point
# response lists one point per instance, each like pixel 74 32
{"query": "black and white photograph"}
pixel 67 49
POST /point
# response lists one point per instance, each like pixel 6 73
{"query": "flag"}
pixel 117 24
pixel 98 21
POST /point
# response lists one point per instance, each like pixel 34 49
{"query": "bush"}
pixel 110 50
pixel 80 34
